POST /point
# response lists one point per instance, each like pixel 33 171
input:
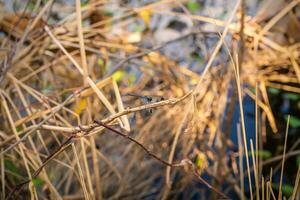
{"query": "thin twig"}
pixel 85 132
pixel 61 148
pixel 139 144
pixel 183 162
pixel 77 129
pixel 55 110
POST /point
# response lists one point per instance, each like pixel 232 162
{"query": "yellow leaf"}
pixel 201 161
pixel 80 106
pixel 146 16
pixel 101 62
pixel 193 81
pixel 118 75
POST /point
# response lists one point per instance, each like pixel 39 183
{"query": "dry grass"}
pixel 57 79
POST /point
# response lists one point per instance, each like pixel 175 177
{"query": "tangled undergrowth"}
pixel 117 100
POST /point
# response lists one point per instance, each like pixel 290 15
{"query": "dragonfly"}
pixel 147 100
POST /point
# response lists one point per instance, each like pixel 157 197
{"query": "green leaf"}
pixel 84 3
pixel 31 5
pixel 291 96
pixel 139 28
pixel 264 154
pixel 196 57
pixel 131 79
pixel 118 75
pixel 252 89
pixel 9 165
pixel 19 128
pixel 273 90
pixel 294 121
pixel 287 189
pixel 100 62
pixel 37 182
pixel 193 6
pixel 48 88
pixel 108 13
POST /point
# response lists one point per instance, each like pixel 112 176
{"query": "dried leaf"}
pixel 146 16
pixel 80 106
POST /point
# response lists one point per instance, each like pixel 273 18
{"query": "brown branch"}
pixel 77 129
pixel 138 143
pixel 60 149
pixel 85 132
pixel 183 162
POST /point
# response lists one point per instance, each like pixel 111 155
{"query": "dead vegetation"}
pixel 64 82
